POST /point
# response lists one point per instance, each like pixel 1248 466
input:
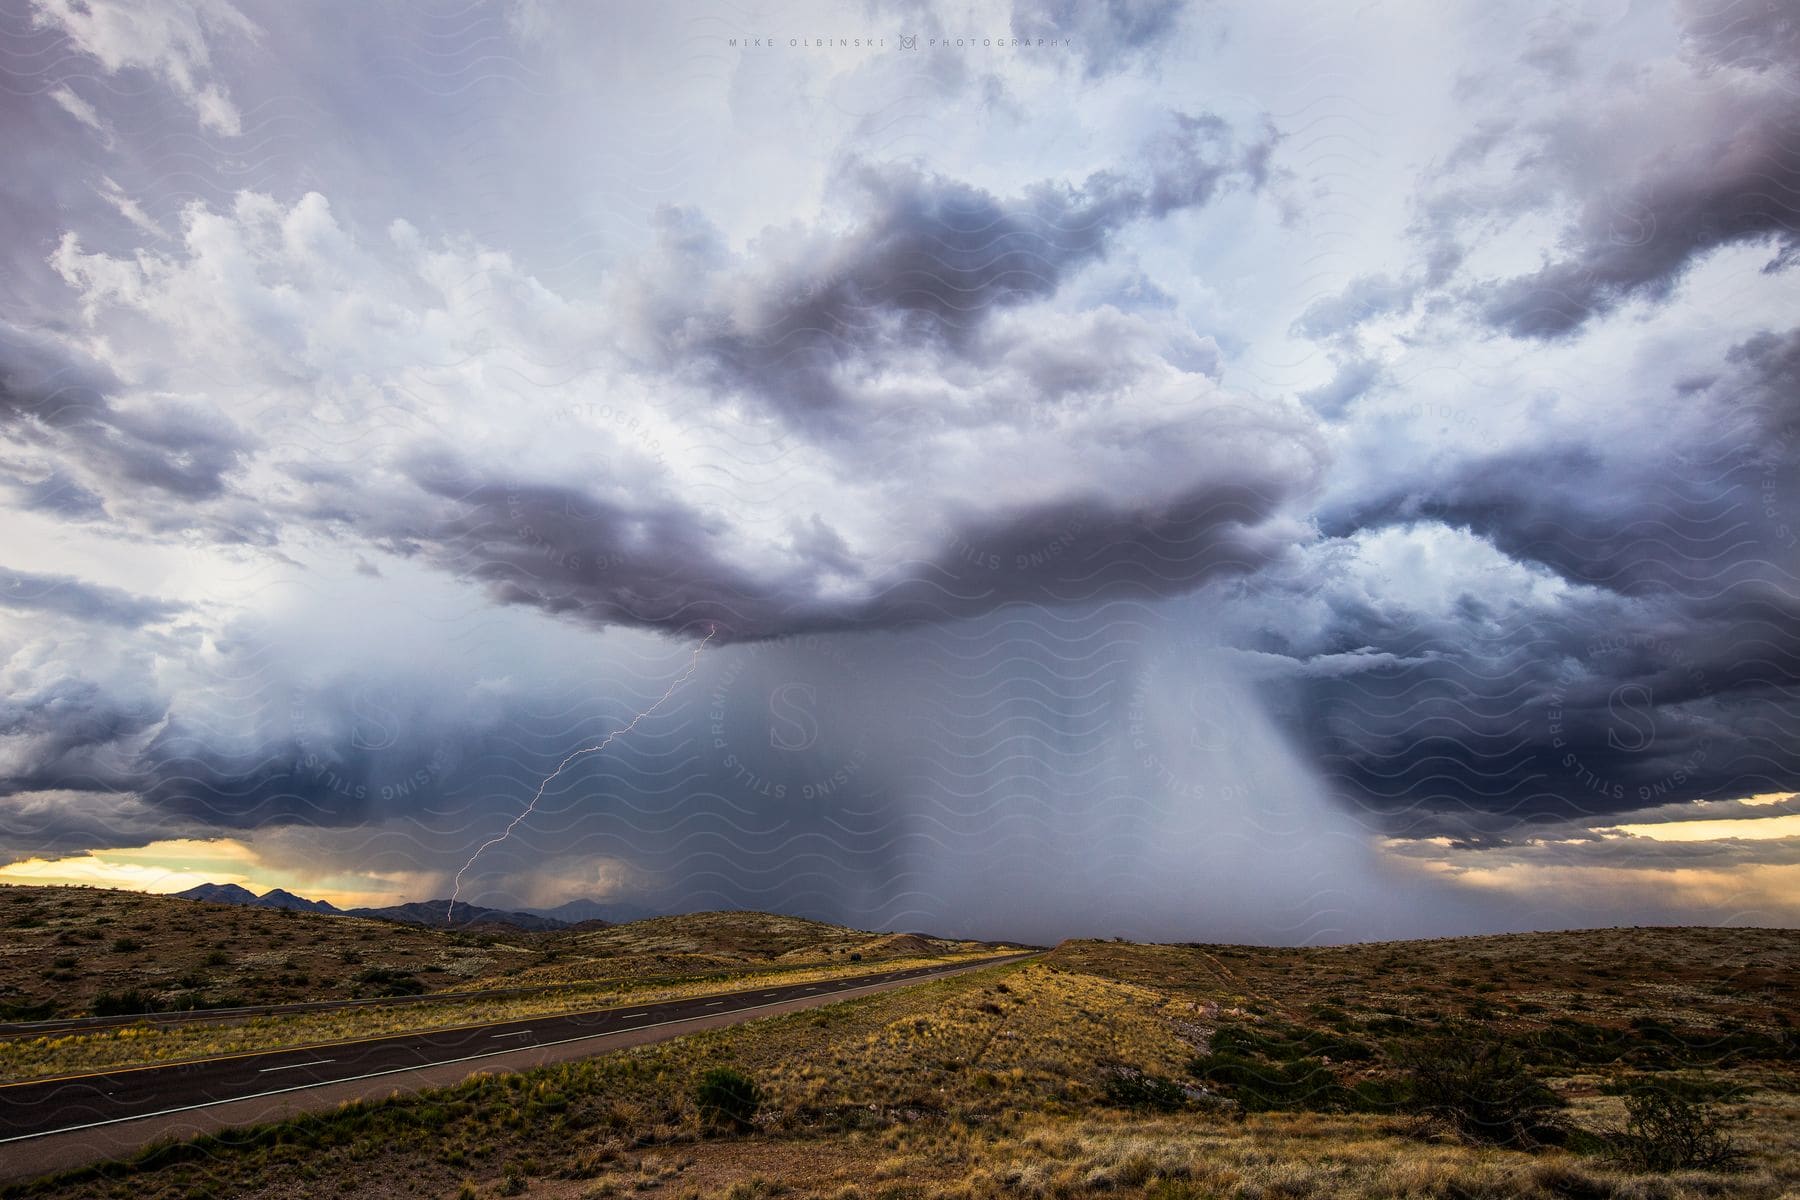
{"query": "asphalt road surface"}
pixel 197 1016
pixel 55 1123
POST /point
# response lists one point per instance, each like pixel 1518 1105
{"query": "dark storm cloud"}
pixel 1690 523
pixel 64 595
pixel 42 379
pixel 1744 33
pixel 72 733
pixel 1666 672
pixel 929 263
pixel 1087 549
pixel 1504 718
pixel 568 552
pixel 1665 668
pixel 986 399
pixel 662 565
pixel 1727 173
pixel 55 823
pixel 253 749
pixel 55 399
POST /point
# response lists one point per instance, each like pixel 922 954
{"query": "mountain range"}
pixel 429 912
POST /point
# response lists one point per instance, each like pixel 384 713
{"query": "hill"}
pixel 78 951
pixel 438 914
pixel 418 912
pixel 68 951
pixel 731 942
pixel 231 893
pixel 1109 1069
pixel 577 912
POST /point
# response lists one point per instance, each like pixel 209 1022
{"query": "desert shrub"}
pixel 124 1004
pixel 1481 1089
pixel 727 1097
pixel 1382 1094
pixel 1289 1043
pixel 384 981
pixel 1688 1088
pixel 1279 1066
pixel 19 1010
pixel 1128 1088
pixel 1259 1085
pixel 1665 1131
pixel 126 945
pixel 1650 1044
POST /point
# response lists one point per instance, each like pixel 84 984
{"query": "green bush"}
pixel 1259 1085
pixel 1665 1131
pixel 21 1010
pixel 1481 1089
pixel 1678 1085
pixel 1128 1088
pixel 385 981
pixel 125 1004
pixel 1289 1043
pixel 727 1097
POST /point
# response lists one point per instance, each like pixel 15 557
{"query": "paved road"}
pixel 53 1123
pixel 195 1016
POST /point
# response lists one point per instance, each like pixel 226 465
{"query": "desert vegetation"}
pixel 1631 1064
pixel 67 952
pixel 168 970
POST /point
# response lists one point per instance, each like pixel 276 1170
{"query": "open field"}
pixel 73 951
pixel 64 1053
pixel 77 951
pixel 1113 1069
pixel 183 955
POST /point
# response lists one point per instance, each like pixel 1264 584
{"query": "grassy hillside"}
pixel 1108 1069
pixel 78 951
pixel 721 944
pixel 1642 980
pixel 90 951
pixel 73 951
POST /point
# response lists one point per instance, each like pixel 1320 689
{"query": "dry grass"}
pixel 728 945
pixel 24 1058
pixel 995 1084
pixel 61 947
pixel 66 946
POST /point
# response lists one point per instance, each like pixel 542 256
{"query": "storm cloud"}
pixel 1127 476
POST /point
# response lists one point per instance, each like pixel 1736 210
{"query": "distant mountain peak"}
pixel 590 913
pixel 434 912
pixel 282 898
pixel 219 893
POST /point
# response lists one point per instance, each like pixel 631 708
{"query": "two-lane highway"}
pixel 93 1115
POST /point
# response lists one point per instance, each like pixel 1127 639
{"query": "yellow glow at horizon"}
pixel 179 864
pixel 1769 889
pixel 1768 798
pixel 1750 828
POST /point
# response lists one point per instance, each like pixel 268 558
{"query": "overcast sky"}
pixel 1202 471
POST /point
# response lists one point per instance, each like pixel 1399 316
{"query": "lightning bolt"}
pixel 597 747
